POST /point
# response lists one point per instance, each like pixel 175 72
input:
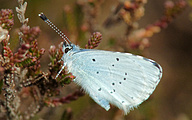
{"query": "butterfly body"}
pixel 122 79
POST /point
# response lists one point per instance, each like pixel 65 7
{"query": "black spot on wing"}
pixel 131 97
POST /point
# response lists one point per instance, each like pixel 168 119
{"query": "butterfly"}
pixel 122 79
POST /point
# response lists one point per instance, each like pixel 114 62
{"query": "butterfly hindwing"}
pixel 122 79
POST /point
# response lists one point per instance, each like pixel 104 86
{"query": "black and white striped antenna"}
pixel 63 36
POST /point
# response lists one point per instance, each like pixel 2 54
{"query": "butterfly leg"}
pixel 60 70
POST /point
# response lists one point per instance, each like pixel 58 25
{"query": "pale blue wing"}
pixel 122 79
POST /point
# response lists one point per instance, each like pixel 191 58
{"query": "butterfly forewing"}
pixel 122 79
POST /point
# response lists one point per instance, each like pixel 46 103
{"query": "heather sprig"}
pixel 6 19
pixel 63 100
pixel 128 11
pixel 29 34
pixel 139 38
pixel 94 40
pixel 131 11
pixel 21 12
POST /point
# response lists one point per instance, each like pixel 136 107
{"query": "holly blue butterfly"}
pixel 122 79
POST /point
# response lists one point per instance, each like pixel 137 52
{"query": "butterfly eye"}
pixel 66 50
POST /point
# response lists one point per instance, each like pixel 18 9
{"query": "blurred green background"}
pixel 171 48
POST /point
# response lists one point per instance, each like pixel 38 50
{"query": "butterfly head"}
pixel 67 47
